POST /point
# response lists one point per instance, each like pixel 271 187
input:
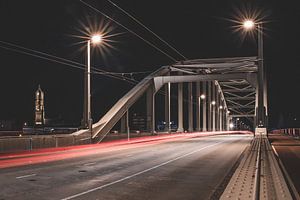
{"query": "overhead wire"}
pixel 43 55
pixel 129 30
pixel 148 29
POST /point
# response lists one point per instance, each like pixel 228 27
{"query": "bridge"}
pixel 224 164
pixel 225 88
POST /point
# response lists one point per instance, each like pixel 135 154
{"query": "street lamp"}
pixel 261 110
pixel 202 96
pixel 94 39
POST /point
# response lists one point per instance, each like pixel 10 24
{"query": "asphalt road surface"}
pixel 189 168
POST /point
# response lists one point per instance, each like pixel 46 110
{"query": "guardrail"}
pixel 23 143
pixel 258 175
pixel 295 132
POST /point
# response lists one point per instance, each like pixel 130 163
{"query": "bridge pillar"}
pixel 214 106
pixel 167 106
pixel 209 100
pixel 217 108
pixel 198 106
pixel 180 107
pixel 150 98
pixel 190 106
pixel 221 116
pixel 204 107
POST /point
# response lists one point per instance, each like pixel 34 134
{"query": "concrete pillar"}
pixel 180 107
pixel 209 99
pixel 150 103
pixel 204 107
pixel 198 106
pixel 190 107
pixel 167 106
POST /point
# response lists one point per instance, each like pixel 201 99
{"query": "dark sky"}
pixel 198 29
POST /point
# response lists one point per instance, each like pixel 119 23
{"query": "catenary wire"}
pixel 148 29
pixel 134 33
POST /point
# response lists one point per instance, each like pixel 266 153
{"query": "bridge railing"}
pixel 28 143
pixel 295 132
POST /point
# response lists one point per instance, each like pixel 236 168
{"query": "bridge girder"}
pixel 235 78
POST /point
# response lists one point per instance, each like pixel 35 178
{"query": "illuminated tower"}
pixel 39 107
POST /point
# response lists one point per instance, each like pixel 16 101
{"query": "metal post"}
pixel 180 107
pixel 167 106
pixel 90 121
pixel 261 108
pixel 190 103
pixel 198 111
pixel 217 108
pixel 209 97
pixel 214 107
pixel 204 108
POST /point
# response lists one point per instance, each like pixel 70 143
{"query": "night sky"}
pixel 198 29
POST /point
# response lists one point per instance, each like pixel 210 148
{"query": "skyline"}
pixel 32 26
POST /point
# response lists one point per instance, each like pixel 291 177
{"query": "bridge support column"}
pixel 221 115
pixel 150 98
pixel 217 108
pixel 204 107
pixel 180 107
pixel 190 107
pixel 198 106
pixel 209 97
pixel 167 106
pixel 214 106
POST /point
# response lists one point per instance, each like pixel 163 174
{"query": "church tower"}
pixel 39 107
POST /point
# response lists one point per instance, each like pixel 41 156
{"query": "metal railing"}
pixel 295 132
pixel 31 142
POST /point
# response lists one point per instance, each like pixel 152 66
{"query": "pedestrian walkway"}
pixel 288 150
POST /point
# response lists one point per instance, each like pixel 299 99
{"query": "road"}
pixel 189 168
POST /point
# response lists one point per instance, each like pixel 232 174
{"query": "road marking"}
pixel 25 176
pixel 139 173
pixel 88 164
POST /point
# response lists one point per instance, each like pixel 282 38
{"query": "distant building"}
pixel 39 107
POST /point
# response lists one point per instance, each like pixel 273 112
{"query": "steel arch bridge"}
pixel 231 87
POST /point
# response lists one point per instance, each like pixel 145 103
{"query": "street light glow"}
pixel 248 24
pixel 221 107
pixel 202 96
pixel 213 103
pixel 231 125
pixel 97 38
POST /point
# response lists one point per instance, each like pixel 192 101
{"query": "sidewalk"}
pixel 288 149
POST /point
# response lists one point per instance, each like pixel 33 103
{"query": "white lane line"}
pixel 88 164
pixel 139 173
pixel 25 176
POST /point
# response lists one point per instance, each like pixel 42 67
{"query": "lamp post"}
pixel 95 39
pixel 260 110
